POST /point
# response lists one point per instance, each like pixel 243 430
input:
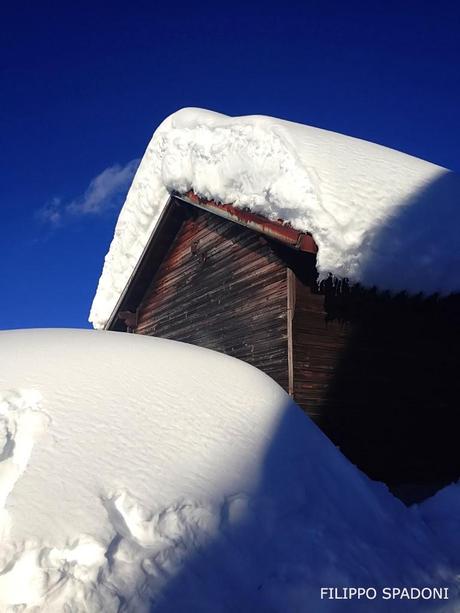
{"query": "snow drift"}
pixel 379 216
pixel 141 474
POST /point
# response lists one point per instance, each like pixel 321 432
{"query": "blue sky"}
pixel 83 87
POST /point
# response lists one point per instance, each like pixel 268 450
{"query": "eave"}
pixel 278 229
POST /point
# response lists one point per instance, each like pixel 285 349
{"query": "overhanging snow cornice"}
pixel 139 271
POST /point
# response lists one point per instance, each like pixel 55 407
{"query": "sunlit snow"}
pixel 141 474
pixel 379 216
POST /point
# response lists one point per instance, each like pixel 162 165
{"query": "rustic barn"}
pixel 376 371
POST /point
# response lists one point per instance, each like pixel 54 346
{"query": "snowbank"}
pixel 142 474
pixel 372 211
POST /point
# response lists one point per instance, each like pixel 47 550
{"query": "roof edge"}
pixel 164 213
pixel 277 229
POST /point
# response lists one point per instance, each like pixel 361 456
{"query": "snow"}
pixel 378 216
pixel 141 474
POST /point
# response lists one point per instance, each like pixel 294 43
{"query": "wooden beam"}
pixel 291 295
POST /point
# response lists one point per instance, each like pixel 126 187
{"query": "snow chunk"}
pixel 379 216
pixel 143 474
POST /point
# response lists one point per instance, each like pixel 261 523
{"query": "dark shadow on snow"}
pixel 313 521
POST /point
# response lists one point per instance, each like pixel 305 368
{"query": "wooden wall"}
pixel 317 348
pixel 221 286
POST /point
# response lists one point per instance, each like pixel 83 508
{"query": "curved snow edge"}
pixel 343 190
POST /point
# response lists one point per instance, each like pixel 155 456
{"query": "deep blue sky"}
pixel 83 86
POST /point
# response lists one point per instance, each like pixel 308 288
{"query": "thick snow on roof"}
pixel 142 474
pixel 379 216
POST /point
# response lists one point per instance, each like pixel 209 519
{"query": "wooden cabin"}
pixel 377 372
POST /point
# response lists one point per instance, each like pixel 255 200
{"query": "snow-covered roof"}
pixel 378 216
pixel 126 476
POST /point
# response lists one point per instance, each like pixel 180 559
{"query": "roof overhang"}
pixel 277 229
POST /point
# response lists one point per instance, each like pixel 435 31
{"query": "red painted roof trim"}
pixel 278 230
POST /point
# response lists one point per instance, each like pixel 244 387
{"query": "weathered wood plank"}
pixel 220 286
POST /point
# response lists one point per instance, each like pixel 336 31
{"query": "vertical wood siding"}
pixel 317 347
pixel 221 286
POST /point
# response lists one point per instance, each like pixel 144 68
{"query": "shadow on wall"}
pixel 313 521
pixel 392 406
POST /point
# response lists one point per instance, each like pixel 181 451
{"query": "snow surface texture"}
pixel 141 474
pixel 378 216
